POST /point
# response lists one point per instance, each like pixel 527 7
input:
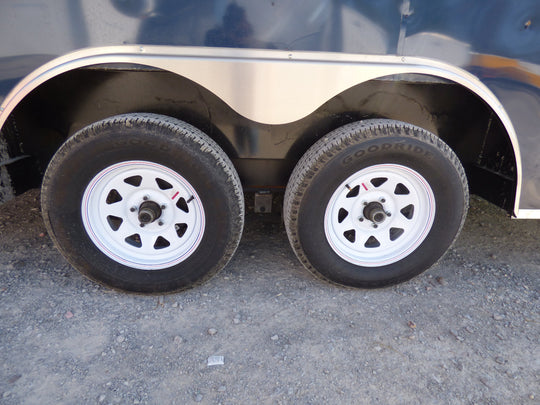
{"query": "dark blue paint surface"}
pixel 497 40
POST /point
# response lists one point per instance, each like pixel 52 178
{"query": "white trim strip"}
pixel 527 214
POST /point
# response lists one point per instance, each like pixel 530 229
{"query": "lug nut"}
pixel 375 226
pixel 160 223
pixel 145 198
pixel 163 206
pixel 142 225
pixel 383 200
pixel 361 219
pixel 388 214
pixel 133 209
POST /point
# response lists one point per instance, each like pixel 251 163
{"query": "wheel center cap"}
pixel 149 211
pixel 374 211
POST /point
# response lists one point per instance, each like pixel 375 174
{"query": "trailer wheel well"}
pixel 68 102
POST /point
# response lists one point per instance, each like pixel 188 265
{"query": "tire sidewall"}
pixel 410 152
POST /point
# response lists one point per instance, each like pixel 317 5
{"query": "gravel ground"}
pixel 466 331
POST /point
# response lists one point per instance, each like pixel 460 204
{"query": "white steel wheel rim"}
pixel 379 215
pixel 125 195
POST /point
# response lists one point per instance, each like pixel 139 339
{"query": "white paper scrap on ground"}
pixel 216 360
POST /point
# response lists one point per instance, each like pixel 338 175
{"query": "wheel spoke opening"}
pixel 134 240
pixel 353 192
pixel 378 181
pixel 163 184
pixel 182 204
pixel 113 197
pixel 180 229
pixel 161 243
pixel 408 211
pixel 350 235
pixel 134 181
pixel 372 242
pixel 342 214
pixel 401 189
pixel 395 233
pixel 114 222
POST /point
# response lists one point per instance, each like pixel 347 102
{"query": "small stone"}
pixel 14 378
pixel 236 320
pixel 456 335
pixel 212 331
pixel 68 315
pixel 498 317
pixel 436 379
pixel 411 325
pixel 222 388
pixel 441 280
pixel 175 305
pixel 486 380
pixel 469 329
pixel 275 337
pixel 101 398
pixel 378 348
pixel 120 339
pixel 198 398
pixel 178 340
pixel 6 394
pixel 531 396
pixel 500 360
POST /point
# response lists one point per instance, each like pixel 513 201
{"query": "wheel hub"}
pixel 374 211
pixel 149 211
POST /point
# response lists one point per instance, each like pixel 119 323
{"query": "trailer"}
pixel 144 122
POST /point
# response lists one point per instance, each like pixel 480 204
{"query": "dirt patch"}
pixel 466 331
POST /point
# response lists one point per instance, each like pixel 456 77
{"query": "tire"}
pixel 375 203
pixel 143 203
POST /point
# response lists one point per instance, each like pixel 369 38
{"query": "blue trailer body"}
pixel 497 41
